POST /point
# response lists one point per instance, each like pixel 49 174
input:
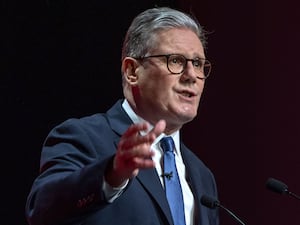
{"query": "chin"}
pixel 184 114
pixel 188 112
pixel 187 117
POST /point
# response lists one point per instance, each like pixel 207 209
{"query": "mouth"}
pixel 188 94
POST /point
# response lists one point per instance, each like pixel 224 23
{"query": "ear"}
pixel 129 66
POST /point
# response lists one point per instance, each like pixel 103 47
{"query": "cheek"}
pixel 156 84
pixel 149 89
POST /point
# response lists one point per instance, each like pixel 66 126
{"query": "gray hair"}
pixel 143 29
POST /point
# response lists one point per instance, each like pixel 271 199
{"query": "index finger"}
pixel 159 128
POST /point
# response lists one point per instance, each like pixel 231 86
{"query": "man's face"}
pixel 159 94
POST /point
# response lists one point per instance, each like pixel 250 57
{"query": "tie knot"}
pixel 167 144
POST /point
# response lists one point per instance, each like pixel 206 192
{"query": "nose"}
pixel 189 74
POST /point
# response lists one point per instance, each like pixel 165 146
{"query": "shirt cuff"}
pixel 112 193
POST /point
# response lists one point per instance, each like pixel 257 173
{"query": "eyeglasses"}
pixel 176 64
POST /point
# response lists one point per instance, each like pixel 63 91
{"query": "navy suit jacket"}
pixel 69 187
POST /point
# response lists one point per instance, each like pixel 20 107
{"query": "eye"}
pixel 177 60
pixel 198 63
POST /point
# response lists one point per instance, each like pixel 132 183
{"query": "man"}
pixel 107 169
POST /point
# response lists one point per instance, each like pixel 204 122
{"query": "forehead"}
pixel 176 40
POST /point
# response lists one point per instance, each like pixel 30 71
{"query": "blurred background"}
pixel 61 59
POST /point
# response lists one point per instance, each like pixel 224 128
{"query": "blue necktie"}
pixel 172 183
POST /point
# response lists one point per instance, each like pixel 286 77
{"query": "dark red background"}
pixel 62 60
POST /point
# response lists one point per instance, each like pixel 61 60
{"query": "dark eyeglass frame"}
pixel 206 63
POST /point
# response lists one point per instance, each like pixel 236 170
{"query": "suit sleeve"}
pixel 73 160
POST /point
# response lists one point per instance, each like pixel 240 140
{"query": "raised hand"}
pixel 134 152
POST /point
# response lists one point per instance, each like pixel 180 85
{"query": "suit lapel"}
pixel 150 181
pixel 192 178
pixel 118 119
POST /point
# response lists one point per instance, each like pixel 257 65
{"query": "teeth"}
pixel 186 94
